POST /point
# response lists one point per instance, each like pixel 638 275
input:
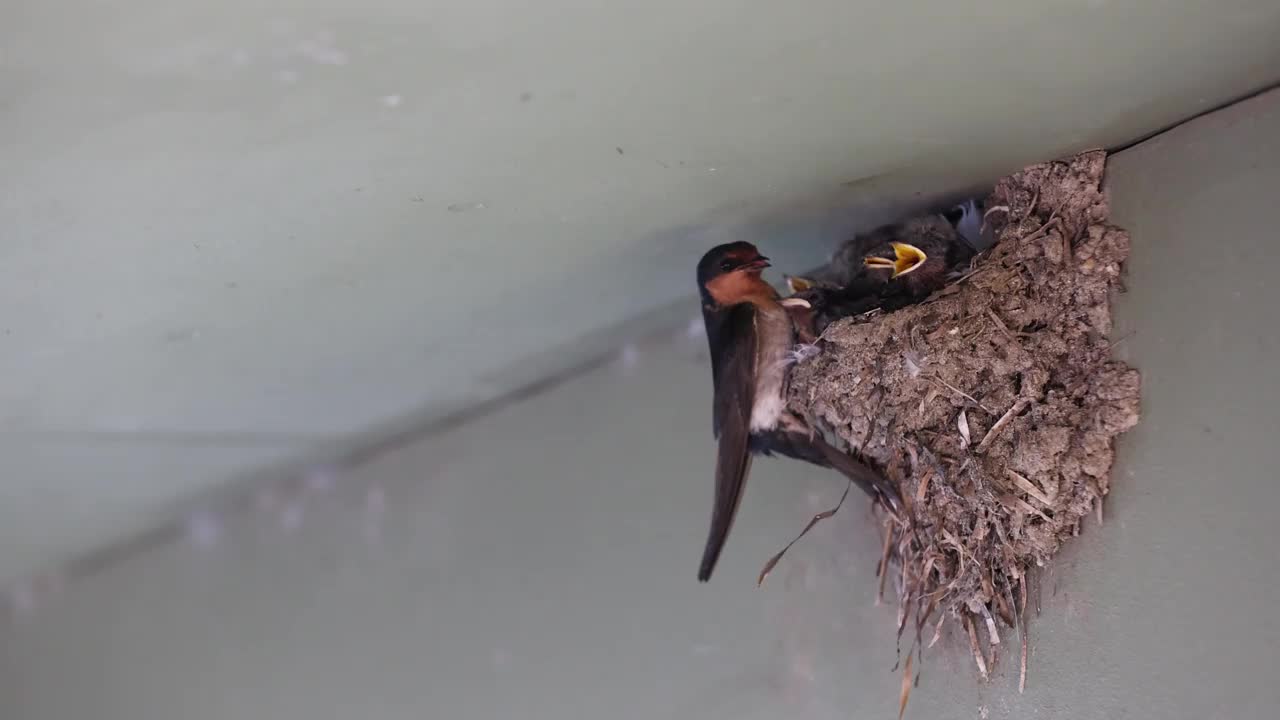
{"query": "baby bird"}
pixel 913 258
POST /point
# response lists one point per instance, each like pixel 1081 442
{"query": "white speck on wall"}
pixel 501 658
pixel 336 57
pixel 204 529
pixel 286 77
pixel 241 58
pixel 291 516
pixel 629 357
pixel 695 329
pixel 392 101
pixel 320 54
pixel 320 479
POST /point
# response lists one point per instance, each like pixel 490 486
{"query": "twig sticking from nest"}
pixel 773 561
pixel 1022 634
pixel 974 646
pixel 1002 422
pixel 959 392
pixel 906 689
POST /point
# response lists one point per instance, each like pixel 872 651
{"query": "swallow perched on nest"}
pixel 751 334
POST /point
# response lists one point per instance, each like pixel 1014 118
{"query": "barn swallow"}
pixel 751 334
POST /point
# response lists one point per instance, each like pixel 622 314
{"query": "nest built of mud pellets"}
pixel 994 405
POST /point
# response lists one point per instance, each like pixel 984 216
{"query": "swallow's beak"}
pixel 761 262
pixel 906 258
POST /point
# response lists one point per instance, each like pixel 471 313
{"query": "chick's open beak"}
pixel 906 258
pixel 798 284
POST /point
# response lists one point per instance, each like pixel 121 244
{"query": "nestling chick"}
pixel 889 267
pixel 913 257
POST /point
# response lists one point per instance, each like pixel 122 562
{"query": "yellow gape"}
pixel 798 284
pixel 906 258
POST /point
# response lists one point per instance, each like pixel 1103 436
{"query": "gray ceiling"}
pixel 235 231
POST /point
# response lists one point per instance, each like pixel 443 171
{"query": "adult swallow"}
pixel 751 334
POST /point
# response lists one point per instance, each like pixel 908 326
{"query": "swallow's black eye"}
pixel 726 265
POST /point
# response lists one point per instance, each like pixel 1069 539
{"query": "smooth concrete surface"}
pixel 231 226
pixel 539 562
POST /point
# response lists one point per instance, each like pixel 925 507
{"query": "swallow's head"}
pixel 730 258
pixel 728 273
pixel 905 259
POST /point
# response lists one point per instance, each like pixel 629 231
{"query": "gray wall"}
pixel 237 230
pixel 539 562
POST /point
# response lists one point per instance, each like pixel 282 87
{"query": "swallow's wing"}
pixel 734 360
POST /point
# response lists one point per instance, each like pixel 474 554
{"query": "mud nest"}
pixel 994 404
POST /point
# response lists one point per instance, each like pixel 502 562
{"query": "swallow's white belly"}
pixel 775 338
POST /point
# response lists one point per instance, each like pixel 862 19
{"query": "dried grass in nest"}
pixel 993 405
